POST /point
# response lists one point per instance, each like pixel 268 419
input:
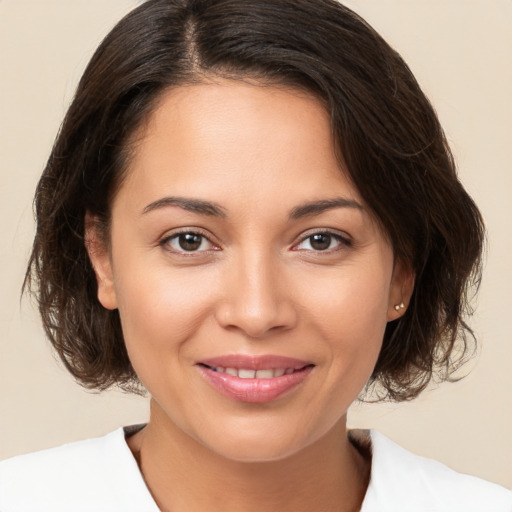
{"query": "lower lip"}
pixel 256 391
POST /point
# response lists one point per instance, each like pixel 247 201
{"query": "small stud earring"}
pixel 400 306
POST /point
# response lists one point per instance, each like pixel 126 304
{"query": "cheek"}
pixel 351 305
pixel 350 314
pixel 161 308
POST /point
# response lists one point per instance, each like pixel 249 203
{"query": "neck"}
pixel 184 475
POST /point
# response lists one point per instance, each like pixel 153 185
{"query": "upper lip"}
pixel 249 362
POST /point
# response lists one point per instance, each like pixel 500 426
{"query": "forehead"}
pixel 229 139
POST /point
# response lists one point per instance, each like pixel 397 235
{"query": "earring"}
pixel 400 306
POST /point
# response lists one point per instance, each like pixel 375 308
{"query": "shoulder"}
pixel 96 474
pixel 401 481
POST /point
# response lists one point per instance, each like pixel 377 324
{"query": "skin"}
pixel 256 285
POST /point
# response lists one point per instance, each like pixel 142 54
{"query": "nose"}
pixel 256 299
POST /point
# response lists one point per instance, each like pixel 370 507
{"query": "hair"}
pixel 387 133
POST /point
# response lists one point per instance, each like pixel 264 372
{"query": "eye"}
pixel 187 241
pixel 323 241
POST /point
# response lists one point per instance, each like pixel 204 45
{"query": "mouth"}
pixel 254 379
pixel 248 373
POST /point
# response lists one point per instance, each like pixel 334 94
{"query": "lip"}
pixel 256 390
pixel 265 362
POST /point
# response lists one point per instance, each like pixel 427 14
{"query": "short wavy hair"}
pixel 387 133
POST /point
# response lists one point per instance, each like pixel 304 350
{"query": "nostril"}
pixel 255 322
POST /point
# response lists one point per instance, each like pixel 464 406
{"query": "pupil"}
pixel 321 241
pixel 190 241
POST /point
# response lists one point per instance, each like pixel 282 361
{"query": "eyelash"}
pixel 343 241
pixel 191 231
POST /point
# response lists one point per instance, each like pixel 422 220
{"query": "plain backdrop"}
pixel 460 51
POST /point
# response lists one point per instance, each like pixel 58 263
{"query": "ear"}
pixel 400 290
pixel 101 262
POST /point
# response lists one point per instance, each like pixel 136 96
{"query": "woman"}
pixel 254 220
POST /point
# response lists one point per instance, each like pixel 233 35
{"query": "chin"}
pixel 261 443
pixel 257 451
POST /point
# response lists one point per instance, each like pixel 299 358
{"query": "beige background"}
pixel 460 50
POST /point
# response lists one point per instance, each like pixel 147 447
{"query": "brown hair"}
pixel 386 130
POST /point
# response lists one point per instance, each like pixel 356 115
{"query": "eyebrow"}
pixel 215 210
pixel 191 205
pixel 317 207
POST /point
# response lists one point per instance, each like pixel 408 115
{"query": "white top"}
pixel 101 475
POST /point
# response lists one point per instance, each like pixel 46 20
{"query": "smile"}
pixel 254 379
pixel 246 373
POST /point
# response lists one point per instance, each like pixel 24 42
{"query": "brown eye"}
pixel 188 242
pixel 323 241
pixel 320 241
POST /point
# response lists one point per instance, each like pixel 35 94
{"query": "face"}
pixel 252 284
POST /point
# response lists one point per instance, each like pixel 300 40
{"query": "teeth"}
pixel 244 373
pixel 264 374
